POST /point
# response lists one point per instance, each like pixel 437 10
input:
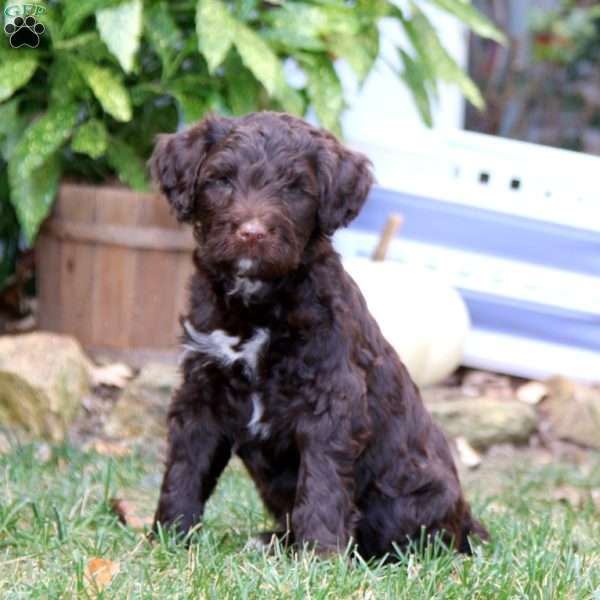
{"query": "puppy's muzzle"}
pixel 251 232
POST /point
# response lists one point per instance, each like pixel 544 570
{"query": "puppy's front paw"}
pixel 180 524
pixel 268 541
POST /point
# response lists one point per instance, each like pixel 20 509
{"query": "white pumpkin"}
pixel 422 316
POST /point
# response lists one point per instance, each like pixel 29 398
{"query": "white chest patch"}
pixel 220 347
pixel 256 427
pixel 245 287
pixel 244 265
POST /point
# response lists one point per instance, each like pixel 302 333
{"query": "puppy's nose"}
pixel 252 231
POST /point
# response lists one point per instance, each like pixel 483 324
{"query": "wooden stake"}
pixel 390 230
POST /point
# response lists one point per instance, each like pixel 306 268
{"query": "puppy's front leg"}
pixel 324 513
pixel 198 453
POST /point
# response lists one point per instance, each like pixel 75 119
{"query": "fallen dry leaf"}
pixel 532 393
pixel 569 495
pixel 99 572
pixel 110 448
pixel 129 514
pixel 116 375
pixel 363 595
pixel 468 455
pixel 561 387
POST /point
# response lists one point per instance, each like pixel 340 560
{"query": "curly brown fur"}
pixel 283 364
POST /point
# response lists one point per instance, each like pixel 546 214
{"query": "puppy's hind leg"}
pixel 472 529
pixel 399 519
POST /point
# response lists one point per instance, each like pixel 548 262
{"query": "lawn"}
pixel 55 516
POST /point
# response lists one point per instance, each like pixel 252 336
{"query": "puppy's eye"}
pixel 219 181
pixel 293 187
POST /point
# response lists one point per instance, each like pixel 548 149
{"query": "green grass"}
pixel 54 517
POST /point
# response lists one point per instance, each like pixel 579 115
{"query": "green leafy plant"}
pixel 109 75
pixel 563 35
pixel 553 98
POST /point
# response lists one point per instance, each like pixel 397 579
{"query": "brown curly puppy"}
pixel 283 364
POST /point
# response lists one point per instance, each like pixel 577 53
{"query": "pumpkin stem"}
pixel 392 226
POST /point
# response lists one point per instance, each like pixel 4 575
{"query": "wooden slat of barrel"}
pixel 185 268
pixel 174 271
pixel 77 266
pixel 48 252
pixel 153 286
pixel 129 236
pixel 114 273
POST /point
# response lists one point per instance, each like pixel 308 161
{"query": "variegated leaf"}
pixel 121 29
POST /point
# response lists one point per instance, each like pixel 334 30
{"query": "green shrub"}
pixel 109 75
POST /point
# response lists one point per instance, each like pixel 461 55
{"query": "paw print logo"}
pixel 24 32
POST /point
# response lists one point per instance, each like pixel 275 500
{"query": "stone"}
pixel 532 392
pixel 484 422
pixel 573 412
pixel 43 379
pixel 159 377
pixel 141 412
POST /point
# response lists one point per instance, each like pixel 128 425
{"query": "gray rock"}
pixel 573 411
pixel 43 378
pixel 141 412
pixel 484 422
pixel 159 377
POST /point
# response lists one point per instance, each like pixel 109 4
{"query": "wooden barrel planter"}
pixel 113 267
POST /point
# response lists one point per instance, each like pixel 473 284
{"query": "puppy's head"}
pixel 260 188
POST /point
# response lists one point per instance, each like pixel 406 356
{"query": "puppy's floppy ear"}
pixel 177 158
pixel 345 180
